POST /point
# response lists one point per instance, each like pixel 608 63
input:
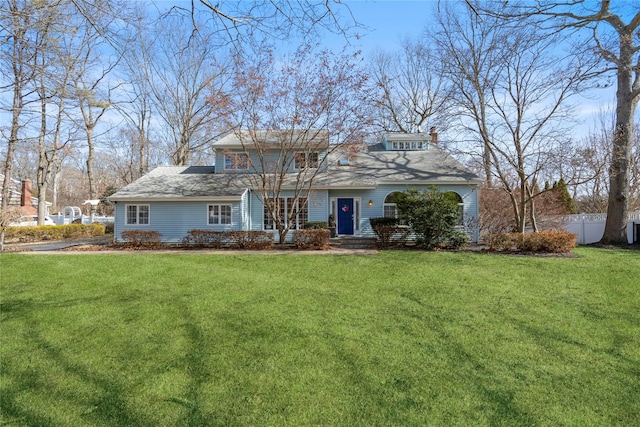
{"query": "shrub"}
pixel 252 240
pixel 204 238
pixel 457 239
pixel 53 232
pixel 108 227
pixel 547 241
pixel 382 221
pixel 388 231
pixel 432 215
pixel 311 239
pixel 315 225
pixel 141 238
pixel 500 242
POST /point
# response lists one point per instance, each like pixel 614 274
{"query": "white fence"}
pixel 590 227
pixel 72 213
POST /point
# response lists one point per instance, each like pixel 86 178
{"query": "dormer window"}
pixel 306 160
pixel 409 146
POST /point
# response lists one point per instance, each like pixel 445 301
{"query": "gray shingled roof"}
pixel 235 140
pixel 183 182
pixel 372 167
pixel 366 169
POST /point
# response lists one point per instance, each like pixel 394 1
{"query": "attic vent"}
pixel 344 162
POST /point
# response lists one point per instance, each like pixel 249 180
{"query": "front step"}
pixel 351 242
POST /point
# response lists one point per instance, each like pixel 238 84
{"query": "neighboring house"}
pixel 353 186
pixel 20 195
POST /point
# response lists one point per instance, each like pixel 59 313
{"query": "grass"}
pixel 398 338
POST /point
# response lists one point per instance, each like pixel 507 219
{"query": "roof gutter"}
pixel 176 199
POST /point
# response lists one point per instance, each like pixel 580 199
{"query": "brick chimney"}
pixel 434 135
pixel 25 197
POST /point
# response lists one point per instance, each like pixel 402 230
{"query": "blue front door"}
pixel 345 216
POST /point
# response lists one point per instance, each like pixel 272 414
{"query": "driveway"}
pixel 56 245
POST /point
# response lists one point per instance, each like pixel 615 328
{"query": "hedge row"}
pixel 53 232
pixel 253 240
pixel 546 241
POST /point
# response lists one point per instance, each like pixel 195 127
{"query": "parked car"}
pixel 31 221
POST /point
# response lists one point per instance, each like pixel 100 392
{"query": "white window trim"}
pixel 219 214
pixel 126 215
pixel 285 200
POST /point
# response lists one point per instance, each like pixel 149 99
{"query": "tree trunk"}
pixel 615 231
pixel 90 159
pixel 11 145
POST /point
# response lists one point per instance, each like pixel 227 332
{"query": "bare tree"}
pixel 17 53
pixel 290 114
pixel 184 73
pixel 587 166
pixel 514 95
pixel 134 142
pixel 471 53
pixel 49 29
pixel 90 87
pixel 274 19
pixel 614 35
pixel 413 92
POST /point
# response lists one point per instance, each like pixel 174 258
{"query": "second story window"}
pixel 236 161
pixel 306 160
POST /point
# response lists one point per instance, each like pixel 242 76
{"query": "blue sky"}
pixel 390 21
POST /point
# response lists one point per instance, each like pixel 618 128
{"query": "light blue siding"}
pixel 468 193
pixel 173 220
pixel 270 158
pixel 318 209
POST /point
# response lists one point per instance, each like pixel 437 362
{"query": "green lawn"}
pixel 397 338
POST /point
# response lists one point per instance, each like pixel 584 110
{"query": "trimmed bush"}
pixel 204 238
pixel 141 238
pixel 383 221
pixel 389 231
pixel 311 239
pixel 252 240
pixel 549 241
pixel 546 241
pixel 315 225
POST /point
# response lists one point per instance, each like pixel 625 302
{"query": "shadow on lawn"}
pixel 30 388
pixel 195 368
pixel 109 407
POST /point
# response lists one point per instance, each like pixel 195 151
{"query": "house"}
pixel 20 195
pixel 352 185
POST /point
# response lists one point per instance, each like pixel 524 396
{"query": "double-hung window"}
pixel 306 160
pixel 236 161
pixel 219 214
pixel 137 215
